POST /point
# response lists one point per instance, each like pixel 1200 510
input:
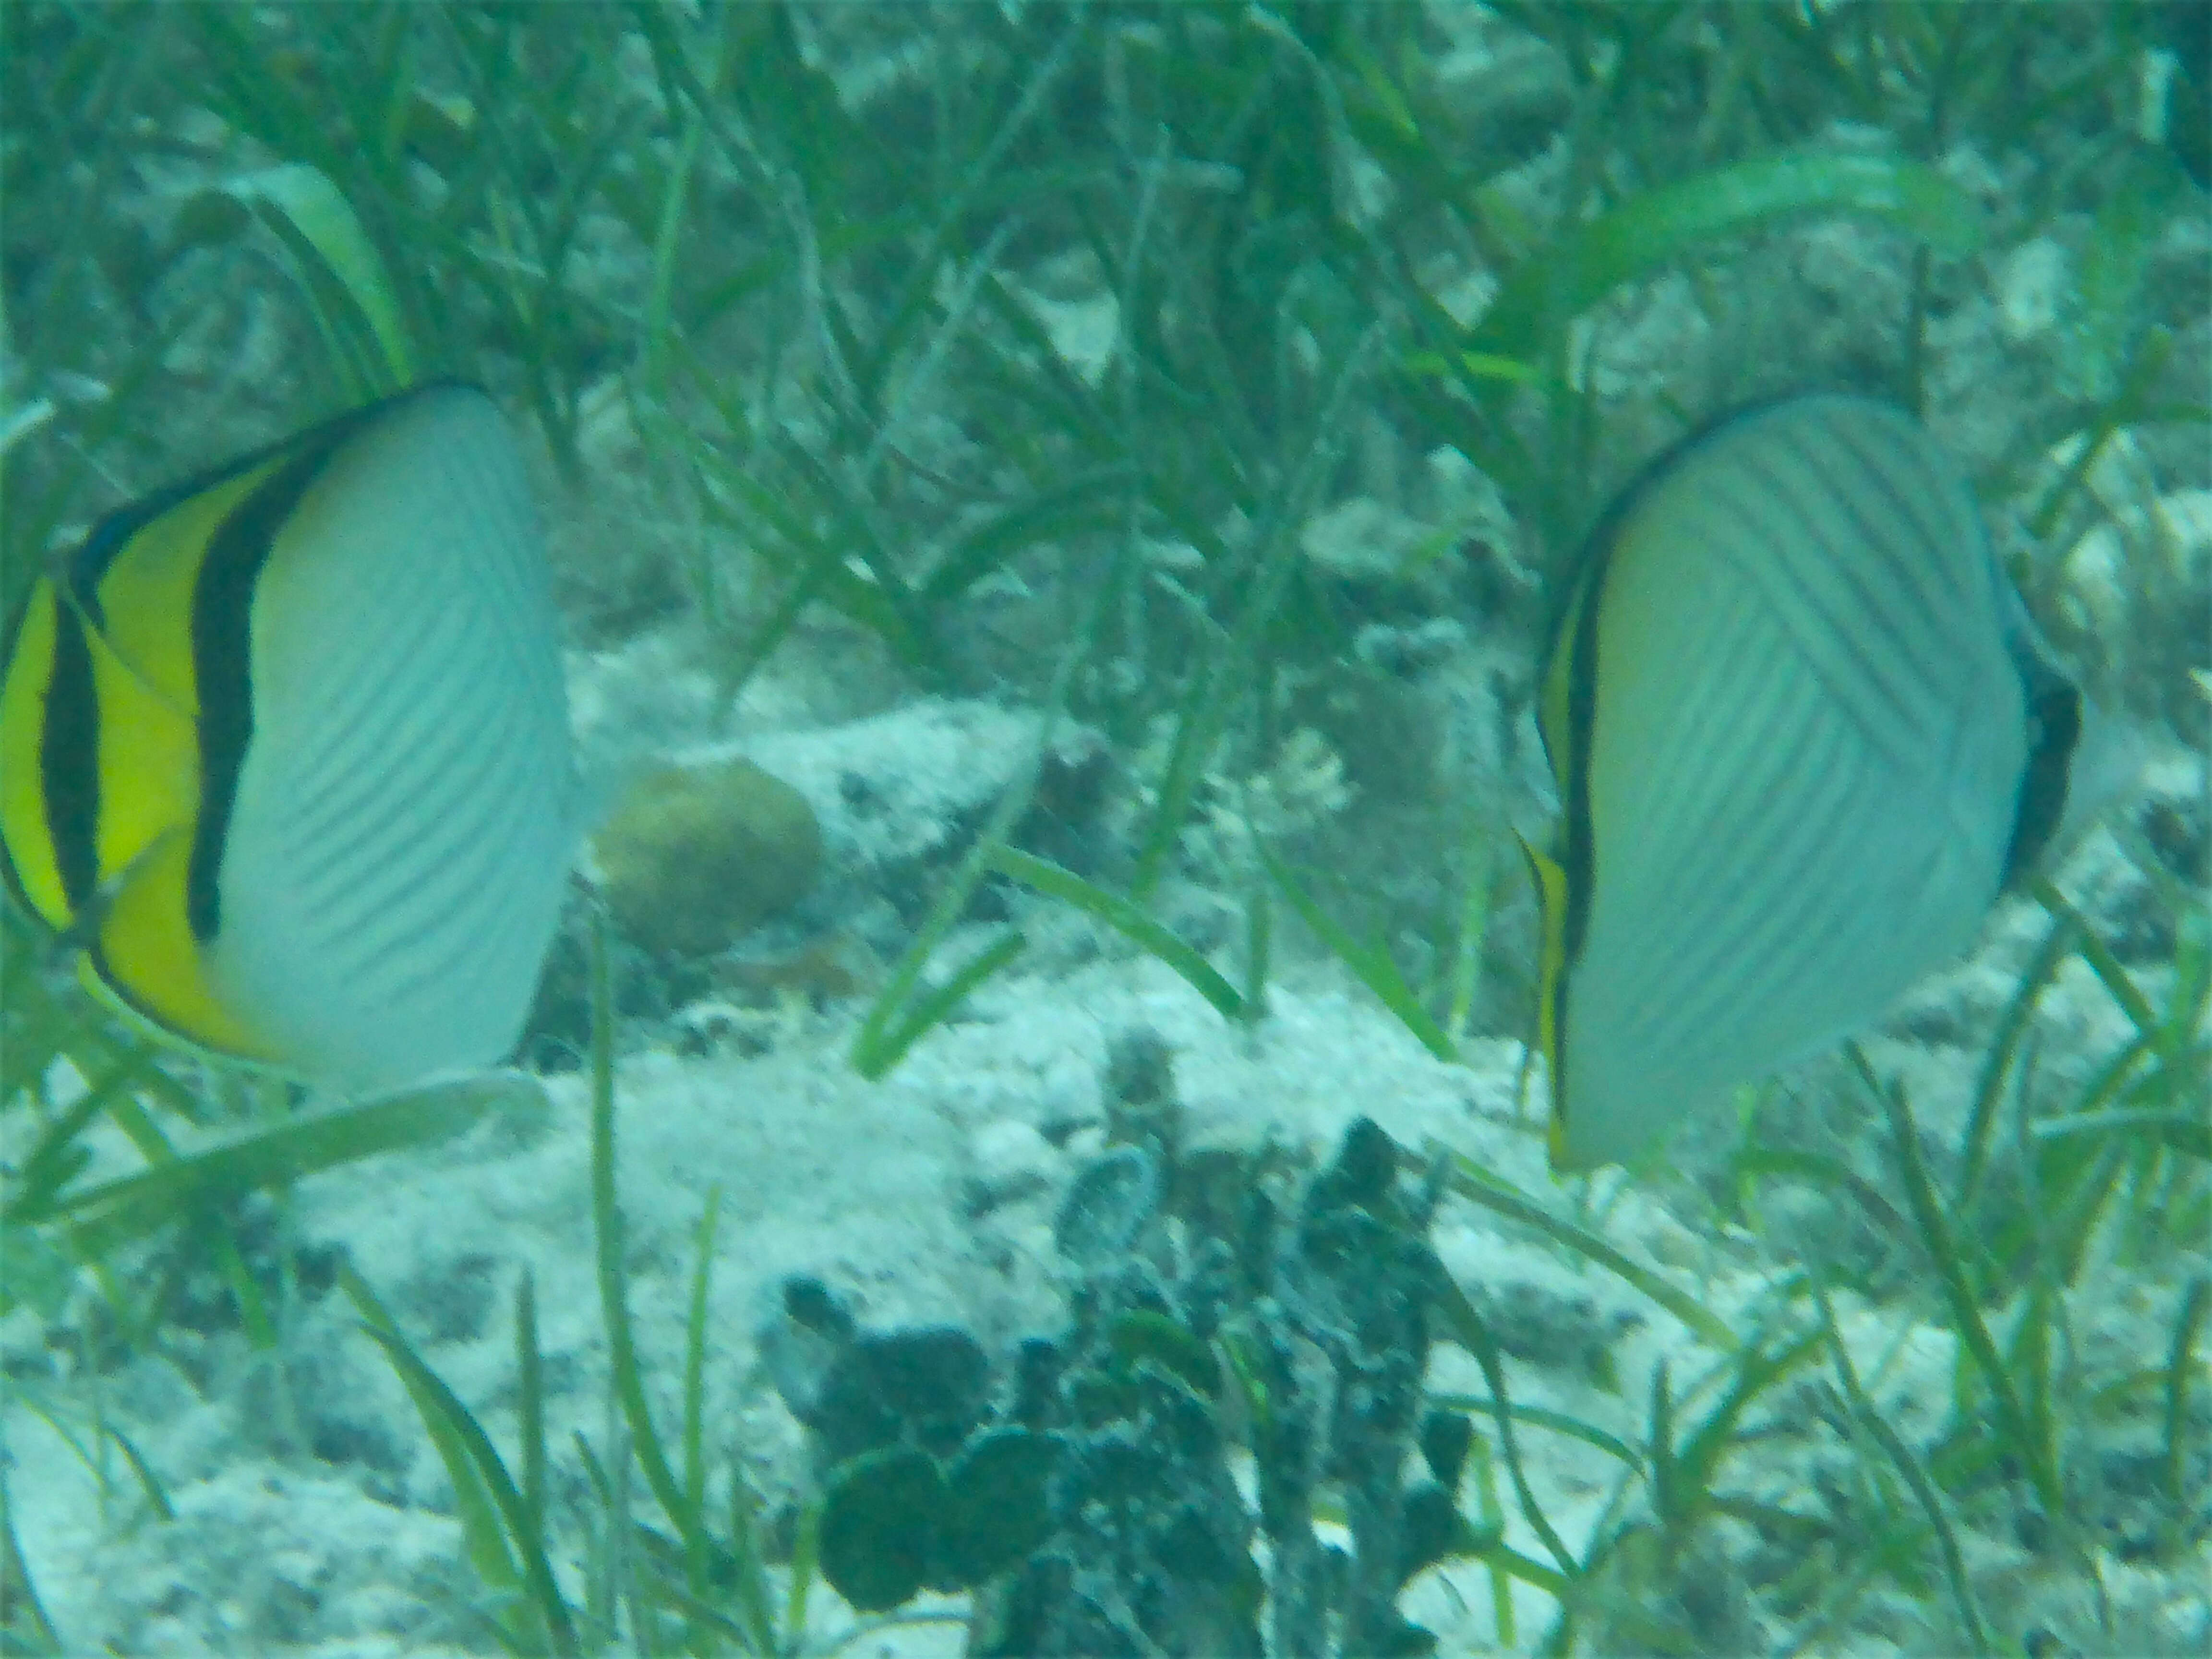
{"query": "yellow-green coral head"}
pixel 284 749
pixel 1803 734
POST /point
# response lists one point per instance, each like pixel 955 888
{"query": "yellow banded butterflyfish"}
pixel 1804 733
pixel 284 749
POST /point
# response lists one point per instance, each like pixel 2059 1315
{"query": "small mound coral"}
pixel 695 856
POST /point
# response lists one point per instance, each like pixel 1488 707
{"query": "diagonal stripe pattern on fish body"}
pixel 1804 733
pixel 284 749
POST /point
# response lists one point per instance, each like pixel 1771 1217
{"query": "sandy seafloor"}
pixel 929 1197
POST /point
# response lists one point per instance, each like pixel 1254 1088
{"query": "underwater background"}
pixel 1027 1142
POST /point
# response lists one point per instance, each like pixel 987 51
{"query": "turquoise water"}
pixel 1118 469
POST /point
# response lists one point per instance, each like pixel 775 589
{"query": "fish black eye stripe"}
pixel 1577 854
pixel 69 760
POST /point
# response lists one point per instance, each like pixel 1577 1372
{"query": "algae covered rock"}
pixel 695 856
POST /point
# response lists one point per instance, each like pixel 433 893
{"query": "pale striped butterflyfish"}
pixel 284 749
pixel 1804 734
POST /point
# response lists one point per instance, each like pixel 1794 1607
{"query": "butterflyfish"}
pixel 285 755
pixel 1804 733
